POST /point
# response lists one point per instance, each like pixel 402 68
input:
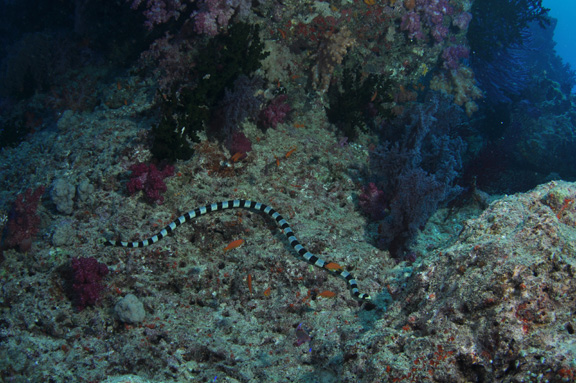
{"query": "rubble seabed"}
pixel 489 298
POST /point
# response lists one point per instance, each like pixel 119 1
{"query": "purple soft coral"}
pixel 439 33
pixel 411 24
pixel 453 54
pixel 462 20
pixel 149 179
pixel 435 10
pixel 214 15
pixel 159 11
pixel 373 202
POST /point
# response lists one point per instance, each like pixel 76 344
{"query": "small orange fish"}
pixel 234 244
pixel 237 156
pixel 290 152
pixel 282 33
pixel 268 291
pixel 332 266
pixel 249 279
pixel 327 294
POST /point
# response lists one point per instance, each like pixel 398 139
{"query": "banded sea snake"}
pixel 280 221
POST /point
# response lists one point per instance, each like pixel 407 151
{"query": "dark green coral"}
pixel 353 102
pixel 218 65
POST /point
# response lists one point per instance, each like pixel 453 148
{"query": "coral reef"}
pixel 411 24
pixel 390 122
pixel 238 104
pixel 159 11
pixel 191 107
pixel 498 35
pixel 452 55
pixel 497 23
pixel 63 194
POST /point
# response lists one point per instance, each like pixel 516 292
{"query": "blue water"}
pixel 565 12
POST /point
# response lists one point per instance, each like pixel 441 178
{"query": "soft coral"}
pixel 87 280
pixel 23 221
pixel 149 179
pixel 275 113
pixel 372 201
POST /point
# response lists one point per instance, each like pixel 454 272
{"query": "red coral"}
pixel 150 180
pixel 275 113
pixel 87 285
pixel 373 202
pixel 23 221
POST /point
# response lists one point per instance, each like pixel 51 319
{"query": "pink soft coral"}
pixel 373 202
pixel 149 179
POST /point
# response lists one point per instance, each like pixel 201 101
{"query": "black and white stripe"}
pixel 244 204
